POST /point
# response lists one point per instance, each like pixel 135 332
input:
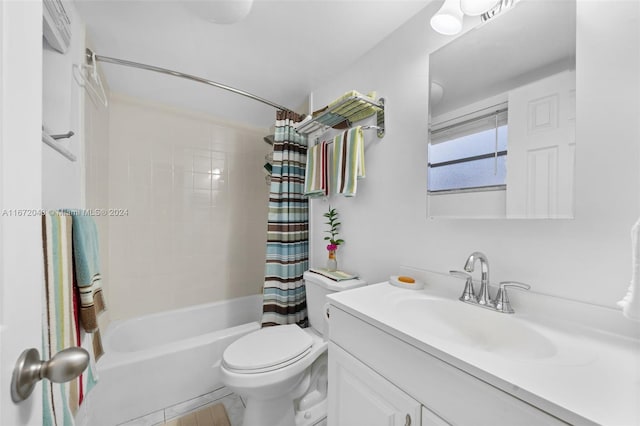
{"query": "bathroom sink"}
pixel 474 327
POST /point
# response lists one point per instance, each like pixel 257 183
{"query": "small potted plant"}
pixel 334 241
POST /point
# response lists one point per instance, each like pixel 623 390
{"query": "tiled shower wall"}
pixel 194 200
pixel 96 130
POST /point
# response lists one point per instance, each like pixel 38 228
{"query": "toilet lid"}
pixel 267 349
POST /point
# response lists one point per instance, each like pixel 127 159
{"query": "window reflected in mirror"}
pixel 469 153
pixel 502 117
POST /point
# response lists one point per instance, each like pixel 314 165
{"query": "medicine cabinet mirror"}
pixel 502 116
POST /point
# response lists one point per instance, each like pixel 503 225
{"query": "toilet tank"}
pixel 317 288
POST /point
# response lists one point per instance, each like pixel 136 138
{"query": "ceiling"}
pixel 281 51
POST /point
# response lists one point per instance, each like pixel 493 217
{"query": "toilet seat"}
pixel 268 349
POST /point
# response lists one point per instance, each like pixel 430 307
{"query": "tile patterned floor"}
pixel 211 415
pixel 232 403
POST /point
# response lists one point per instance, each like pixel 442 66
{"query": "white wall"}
pixel 66 106
pixel 587 258
pixel 188 236
pixel 62 110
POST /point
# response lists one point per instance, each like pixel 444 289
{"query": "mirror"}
pixel 502 116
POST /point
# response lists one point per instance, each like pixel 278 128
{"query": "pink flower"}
pixel 332 247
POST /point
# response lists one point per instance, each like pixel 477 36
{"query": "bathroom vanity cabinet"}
pixel 375 378
pixel 362 396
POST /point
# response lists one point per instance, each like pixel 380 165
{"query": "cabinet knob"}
pixel 407 421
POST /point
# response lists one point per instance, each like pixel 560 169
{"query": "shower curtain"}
pixel 287 240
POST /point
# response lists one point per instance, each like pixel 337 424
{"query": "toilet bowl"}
pixel 281 371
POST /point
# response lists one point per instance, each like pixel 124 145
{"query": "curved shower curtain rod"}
pixel 92 58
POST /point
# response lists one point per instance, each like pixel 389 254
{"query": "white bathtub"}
pixel 158 360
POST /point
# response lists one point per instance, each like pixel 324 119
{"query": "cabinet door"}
pixel 429 418
pixel 360 396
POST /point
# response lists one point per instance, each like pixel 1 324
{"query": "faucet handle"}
pixel 517 284
pixel 460 274
pixel 468 295
pixel 502 299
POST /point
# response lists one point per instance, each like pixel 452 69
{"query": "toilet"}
pixel 281 372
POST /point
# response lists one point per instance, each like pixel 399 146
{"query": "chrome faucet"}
pixel 501 302
pixel 484 298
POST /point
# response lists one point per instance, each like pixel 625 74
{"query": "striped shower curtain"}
pixel 287 240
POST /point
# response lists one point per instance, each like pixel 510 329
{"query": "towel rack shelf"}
pixel 350 109
pixel 52 141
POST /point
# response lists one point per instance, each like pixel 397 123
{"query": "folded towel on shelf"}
pixel 316 182
pixel 61 320
pixel 86 257
pixel 348 161
pixel 352 94
pixel 356 109
pixel 334 275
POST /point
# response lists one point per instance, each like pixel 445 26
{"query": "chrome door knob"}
pixel 64 366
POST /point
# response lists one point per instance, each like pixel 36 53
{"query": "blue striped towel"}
pixel 316 182
pixel 88 279
pixel 348 161
pixel 60 323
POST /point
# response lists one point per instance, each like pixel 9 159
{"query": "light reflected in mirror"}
pixel 502 116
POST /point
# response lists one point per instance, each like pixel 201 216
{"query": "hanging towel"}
pixel 61 329
pixel 87 267
pixel 316 182
pixel 348 161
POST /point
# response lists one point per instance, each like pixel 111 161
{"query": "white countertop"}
pixel 593 376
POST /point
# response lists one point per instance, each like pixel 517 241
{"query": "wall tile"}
pixel 195 232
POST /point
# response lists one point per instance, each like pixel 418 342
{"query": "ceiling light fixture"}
pixel 476 7
pixel 436 93
pixel 497 9
pixel 448 20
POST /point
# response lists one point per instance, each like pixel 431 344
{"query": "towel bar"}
pixel 378 128
pixel 52 142
pixel 63 135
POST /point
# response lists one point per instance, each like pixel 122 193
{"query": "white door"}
pixel 540 163
pixel 360 396
pixel 21 265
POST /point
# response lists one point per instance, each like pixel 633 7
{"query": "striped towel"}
pixel 334 275
pixel 316 182
pixel 61 400
pixel 356 110
pixel 349 112
pixel 348 161
pixel 86 257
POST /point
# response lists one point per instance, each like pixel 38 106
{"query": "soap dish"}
pixel 418 285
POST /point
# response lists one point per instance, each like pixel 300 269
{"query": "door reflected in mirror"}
pixel 502 116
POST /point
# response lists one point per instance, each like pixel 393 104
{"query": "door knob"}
pixel 64 366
